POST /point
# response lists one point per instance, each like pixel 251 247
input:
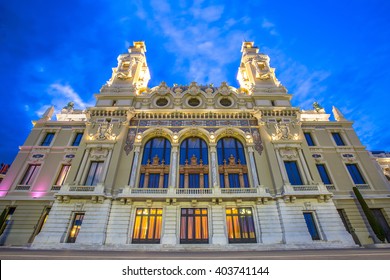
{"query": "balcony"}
pixel 319 191
pixel 363 187
pixel 22 188
pixel 131 193
pixel 95 193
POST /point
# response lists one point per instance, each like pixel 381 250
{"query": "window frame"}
pixel 157 226
pixel 31 180
pixel 75 138
pixel 59 173
pixel 50 141
pixel 338 139
pixel 325 169
pixel 99 180
pixel 309 135
pixel 249 220
pixel 298 172
pixel 72 239
pixel 194 226
pixel 318 236
pixel 359 173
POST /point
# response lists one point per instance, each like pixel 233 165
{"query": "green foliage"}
pixel 378 230
pixel 2 219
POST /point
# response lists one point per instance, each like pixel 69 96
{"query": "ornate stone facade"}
pixel 191 167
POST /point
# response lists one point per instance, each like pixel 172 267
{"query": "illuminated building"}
pixel 192 167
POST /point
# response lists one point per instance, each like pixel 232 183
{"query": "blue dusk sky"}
pixel 333 52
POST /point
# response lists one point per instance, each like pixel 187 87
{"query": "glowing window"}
pixel 76 226
pixel 240 225
pixel 194 225
pixel 147 225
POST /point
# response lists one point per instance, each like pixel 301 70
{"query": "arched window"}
pixel 155 163
pixel 233 172
pixel 194 169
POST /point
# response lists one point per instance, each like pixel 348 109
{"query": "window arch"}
pixel 233 171
pixel 194 170
pixel 155 163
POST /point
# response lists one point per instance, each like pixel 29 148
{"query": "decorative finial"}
pixel 338 115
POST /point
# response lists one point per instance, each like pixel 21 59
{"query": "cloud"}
pixel 62 94
pixel 269 26
pixel 201 42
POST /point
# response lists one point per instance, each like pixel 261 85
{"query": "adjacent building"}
pixel 192 167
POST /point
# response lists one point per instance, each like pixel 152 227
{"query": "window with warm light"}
pixel 155 163
pixel 62 175
pixel 194 170
pixel 240 225
pixel 233 171
pixel 194 226
pixel 147 225
pixel 75 228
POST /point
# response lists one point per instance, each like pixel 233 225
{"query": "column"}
pixel 106 165
pixel 309 179
pixel 135 166
pixel 281 166
pixel 174 166
pixel 82 166
pixel 213 165
pixel 253 167
pixel 218 235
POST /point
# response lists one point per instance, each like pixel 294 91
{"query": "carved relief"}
pixel 288 153
pixel 99 153
pixel 104 132
pixel 130 141
pixel 257 141
pixel 282 130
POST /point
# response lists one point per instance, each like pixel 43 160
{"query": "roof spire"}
pixel 338 115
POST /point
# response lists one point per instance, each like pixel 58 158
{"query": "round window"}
pixel 161 102
pixel 226 102
pixel 193 102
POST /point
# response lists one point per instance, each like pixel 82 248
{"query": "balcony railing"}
pixel 363 186
pixel 55 188
pixel 330 188
pixel 319 191
pixel 22 188
pixel 128 192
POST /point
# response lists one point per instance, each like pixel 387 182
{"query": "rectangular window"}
pixel 311 225
pixel 48 138
pixel 77 139
pixel 309 139
pixel 30 175
pixel 95 173
pixel 337 139
pixel 76 226
pixel 62 175
pixel 354 171
pixel 194 226
pixel 324 174
pixel 240 225
pixel 7 214
pixel 293 173
pixel 147 225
